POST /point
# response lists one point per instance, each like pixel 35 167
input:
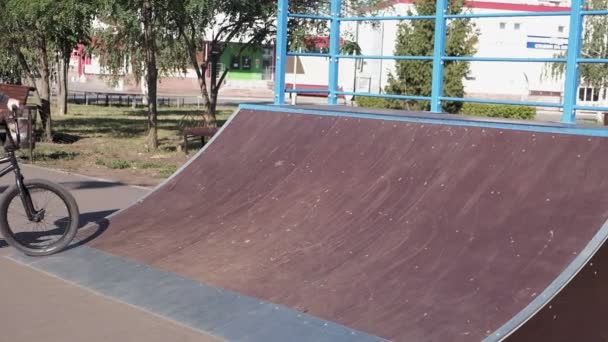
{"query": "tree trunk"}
pixel 209 116
pixel 44 90
pixel 62 81
pixel 151 74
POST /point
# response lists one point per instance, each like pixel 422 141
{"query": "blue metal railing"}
pixel 441 17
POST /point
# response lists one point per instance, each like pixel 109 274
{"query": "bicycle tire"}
pixel 73 214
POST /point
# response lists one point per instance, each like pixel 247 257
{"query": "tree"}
pixel 416 38
pixel 26 26
pixel 73 20
pixel 215 24
pixel 301 29
pixel 9 67
pixel 211 25
pixel 33 31
pixel 594 45
pixel 133 36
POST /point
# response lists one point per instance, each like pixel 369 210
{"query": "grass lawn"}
pixel 109 143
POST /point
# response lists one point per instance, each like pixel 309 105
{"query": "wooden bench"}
pixel 300 86
pixel 27 116
pixel 17 92
pixel 204 133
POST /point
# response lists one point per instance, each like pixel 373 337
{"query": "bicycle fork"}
pixel 32 214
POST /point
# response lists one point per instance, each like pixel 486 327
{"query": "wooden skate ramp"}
pixel 398 226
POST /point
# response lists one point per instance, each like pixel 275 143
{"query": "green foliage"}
pixel 372 102
pixel 10 71
pixel 119 164
pixel 499 111
pixel 114 164
pixel 473 109
pixel 150 165
pixel 38 28
pixel 351 48
pixel 416 38
pixel 300 30
pixel 218 22
pixel 167 171
pixel 119 42
pixel 35 34
pixel 594 45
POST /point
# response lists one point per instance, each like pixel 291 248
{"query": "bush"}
pixel 167 171
pixel 149 165
pixel 499 111
pixel 474 109
pixel 371 102
pixel 118 164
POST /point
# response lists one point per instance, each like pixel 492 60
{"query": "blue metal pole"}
pixel 334 50
pixel 439 51
pixel 572 72
pixel 281 53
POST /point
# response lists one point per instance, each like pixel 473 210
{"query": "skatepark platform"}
pixel 315 223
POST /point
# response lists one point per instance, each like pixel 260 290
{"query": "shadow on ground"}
pixel 95 217
pixel 89 233
pixel 94 222
pixel 83 185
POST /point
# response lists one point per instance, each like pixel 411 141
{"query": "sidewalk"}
pixel 36 306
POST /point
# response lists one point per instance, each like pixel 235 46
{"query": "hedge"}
pixel 474 109
pixel 499 111
pixel 371 102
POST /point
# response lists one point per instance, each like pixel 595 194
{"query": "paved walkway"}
pixel 36 306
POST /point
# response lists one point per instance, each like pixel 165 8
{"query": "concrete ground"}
pixel 37 306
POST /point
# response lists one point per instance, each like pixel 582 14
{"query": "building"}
pixel 537 37
pixel 532 37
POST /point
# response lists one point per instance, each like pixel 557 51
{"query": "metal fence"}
pixel 572 60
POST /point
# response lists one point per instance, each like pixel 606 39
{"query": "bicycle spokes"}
pixel 46 223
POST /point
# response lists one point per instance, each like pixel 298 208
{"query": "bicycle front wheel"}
pixel 55 225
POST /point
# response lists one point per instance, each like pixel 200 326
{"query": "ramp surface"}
pixel 404 228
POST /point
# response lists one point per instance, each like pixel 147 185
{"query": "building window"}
pixel 503 26
pixel 588 94
pixel 246 63
pixel 235 63
pixel 560 29
pixel 516 26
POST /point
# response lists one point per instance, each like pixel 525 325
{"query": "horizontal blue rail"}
pixel 408 58
pixel 595 12
pixel 318 91
pixel 592 108
pixel 441 17
pixel 506 15
pixel 456 120
pixel 505 102
pixel 592 60
pixel 504 59
pixel 307 54
pixel 309 16
pixel 390 18
pixel 387 96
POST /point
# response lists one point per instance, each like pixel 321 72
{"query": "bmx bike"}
pixel 37 217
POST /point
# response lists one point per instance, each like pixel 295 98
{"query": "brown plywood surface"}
pixel 404 230
pixel 578 313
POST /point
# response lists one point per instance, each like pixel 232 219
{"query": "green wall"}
pixel 248 67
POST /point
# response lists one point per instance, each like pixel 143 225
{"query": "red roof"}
pixel 320 41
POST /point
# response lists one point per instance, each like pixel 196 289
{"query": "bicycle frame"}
pixel 10 158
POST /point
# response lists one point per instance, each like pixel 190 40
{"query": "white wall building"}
pixel 498 37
